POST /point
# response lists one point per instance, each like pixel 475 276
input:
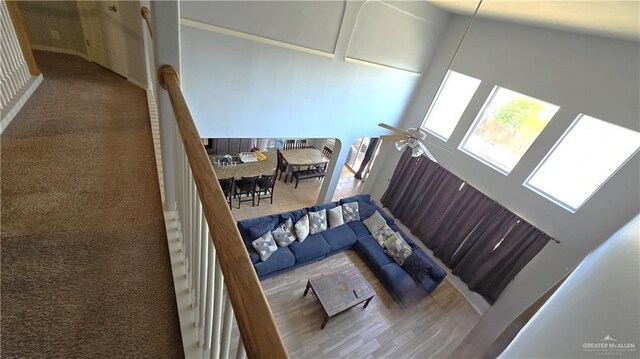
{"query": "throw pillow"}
pixel 383 234
pixel 335 217
pixel 350 212
pixel 262 227
pixel 317 221
pixel 366 209
pixel 375 222
pixel 283 234
pixel 397 248
pixel 418 266
pixel 265 246
pixel 302 228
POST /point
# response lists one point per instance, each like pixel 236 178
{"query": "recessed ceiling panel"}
pixel 385 35
pixel 312 24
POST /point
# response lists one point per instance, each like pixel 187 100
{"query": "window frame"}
pixel 558 201
pixel 423 125
pixel 478 118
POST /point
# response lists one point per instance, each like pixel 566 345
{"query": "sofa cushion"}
pixel 282 258
pixel 406 238
pixel 317 221
pixel 314 247
pixel 397 248
pixel 335 217
pixel 258 224
pixel 369 249
pixel 302 228
pixel 265 246
pixel 357 198
pixel 340 238
pixel 350 212
pixel 358 228
pixel 320 207
pixel 295 215
pixel 396 279
pixel 366 209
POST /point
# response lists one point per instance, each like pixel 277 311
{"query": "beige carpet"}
pixel 85 265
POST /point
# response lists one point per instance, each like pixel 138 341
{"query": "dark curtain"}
pixel 367 157
pixel 484 243
pixel 451 236
pixel 493 261
pixel 420 192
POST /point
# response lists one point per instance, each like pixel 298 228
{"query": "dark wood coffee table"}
pixel 338 291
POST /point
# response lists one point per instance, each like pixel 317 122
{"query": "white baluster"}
pixel 226 328
pixel 240 352
pixel 204 230
pixel 217 311
pixel 196 264
pixel 208 318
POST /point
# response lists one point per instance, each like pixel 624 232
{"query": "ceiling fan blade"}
pixel 393 137
pixel 426 151
pixel 394 129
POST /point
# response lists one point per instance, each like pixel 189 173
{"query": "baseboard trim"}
pixel 186 313
pixel 20 101
pixel 60 51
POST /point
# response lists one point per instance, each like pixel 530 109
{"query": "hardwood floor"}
pixel 431 328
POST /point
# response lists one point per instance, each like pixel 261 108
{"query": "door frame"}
pixel 86 22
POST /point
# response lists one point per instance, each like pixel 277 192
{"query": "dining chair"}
pixel 281 167
pixel 246 186
pixel 301 143
pixel 289 144
pixel 227 188
pixel 266 184
pixel 327 152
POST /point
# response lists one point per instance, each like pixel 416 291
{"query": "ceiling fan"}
pixel 413 138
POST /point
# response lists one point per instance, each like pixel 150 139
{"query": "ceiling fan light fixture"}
pixel 400 145
pixel 416 151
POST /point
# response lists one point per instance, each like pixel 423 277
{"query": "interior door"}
pixel 104 33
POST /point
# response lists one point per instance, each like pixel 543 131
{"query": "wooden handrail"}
pixel 146 14
pixel 257 326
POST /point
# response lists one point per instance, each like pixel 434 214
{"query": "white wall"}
pixel 245 86
pixel 602 295
pixel 580 73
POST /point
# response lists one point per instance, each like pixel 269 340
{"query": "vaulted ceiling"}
pixel 619 19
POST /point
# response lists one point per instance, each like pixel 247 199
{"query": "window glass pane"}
pixel 584 158
pixel 452 99
pixel 506 127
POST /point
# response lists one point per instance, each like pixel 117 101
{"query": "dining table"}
pixel 246 169
pixel 303 157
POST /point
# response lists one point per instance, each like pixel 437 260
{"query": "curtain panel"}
pixel 482 242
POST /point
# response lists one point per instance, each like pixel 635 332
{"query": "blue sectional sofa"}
pixel 402 286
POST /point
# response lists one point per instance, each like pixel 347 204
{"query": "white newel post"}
pixel 166 32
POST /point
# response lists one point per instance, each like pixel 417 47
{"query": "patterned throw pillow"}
pixel 397 248
pixel 335 217
pixel 350 212
pixel 383 234
pixel 375 222
pixel 265 246
pixel 317 221
pixel 283 234
pixel 302 228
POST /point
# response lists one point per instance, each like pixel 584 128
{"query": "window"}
pixel 586 156
pixel 505 128
pixel 451 100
